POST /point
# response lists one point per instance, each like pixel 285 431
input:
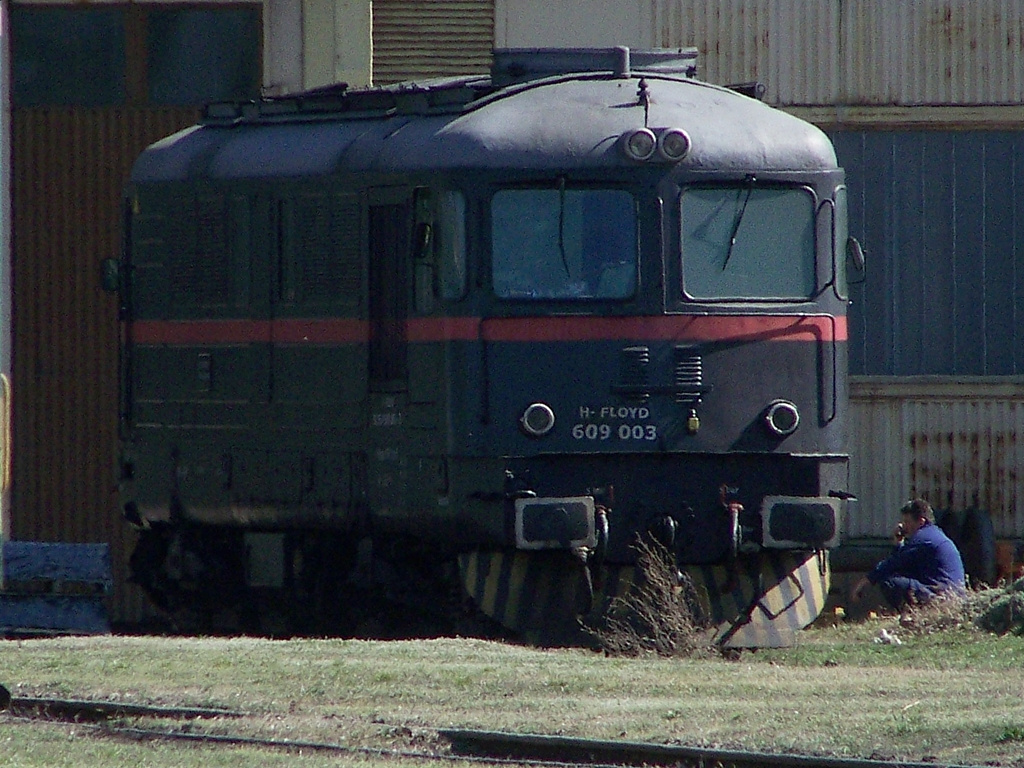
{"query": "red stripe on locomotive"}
pixel 555 329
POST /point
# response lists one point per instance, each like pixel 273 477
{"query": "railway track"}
pixel 577 751
pixel 466 746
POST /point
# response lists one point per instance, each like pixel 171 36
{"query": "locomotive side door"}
pixel 390 223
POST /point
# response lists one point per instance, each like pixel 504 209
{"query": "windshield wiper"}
pixel 736 222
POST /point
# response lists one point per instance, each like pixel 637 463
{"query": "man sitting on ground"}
pixel 926 562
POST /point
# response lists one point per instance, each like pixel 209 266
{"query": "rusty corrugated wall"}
pixel 69 166
pixel 854 52
pixel 415 40
pixel 808 52
pixel 956 444
pixel 790 45
pixel 932 52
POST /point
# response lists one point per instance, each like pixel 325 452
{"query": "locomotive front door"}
pixel 390 221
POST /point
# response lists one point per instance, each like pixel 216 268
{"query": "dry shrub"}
pixel 997 609
pixel 940 614
pixel 658 615
pixel 1003 609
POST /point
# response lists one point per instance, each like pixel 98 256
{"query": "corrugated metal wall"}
pixel 69 166
pixel 936 327
pixel 793 46
pixel 855 51
pixel 941 215
pixel 959 445
pixel 827 52
pixel 932 52
pixel 416 40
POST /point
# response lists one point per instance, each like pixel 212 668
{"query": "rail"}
pixel 467 746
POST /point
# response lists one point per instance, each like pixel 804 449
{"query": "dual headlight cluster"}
pixel 669 145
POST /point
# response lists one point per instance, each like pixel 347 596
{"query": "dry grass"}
pixel 660 615
pixel 955 696
pixel 1002 609
pixel 999 610
pixel 949 693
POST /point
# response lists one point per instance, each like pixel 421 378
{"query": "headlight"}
pixel 538 419
pixel 639 144
pixel 673 144
pixel 782 418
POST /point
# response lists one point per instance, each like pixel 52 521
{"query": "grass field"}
pixel 954 696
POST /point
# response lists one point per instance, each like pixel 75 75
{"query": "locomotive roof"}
pixel 534 111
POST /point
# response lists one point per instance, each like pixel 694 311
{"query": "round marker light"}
pixel 538 419
pixel 674 144
pixel 782 418
pixel 639 144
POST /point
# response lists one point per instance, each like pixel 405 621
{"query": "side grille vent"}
pixel 327 248
pixel 689 374
pixel 200 269
pixel 633 373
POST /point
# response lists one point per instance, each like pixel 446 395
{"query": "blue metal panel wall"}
pixel 941 215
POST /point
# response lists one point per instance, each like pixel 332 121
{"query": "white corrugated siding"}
pixel 415 40
pixel 932 52
pixel 808 52
pixel 956 444
pixel 790 45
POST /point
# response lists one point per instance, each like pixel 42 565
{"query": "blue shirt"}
pixel 929 556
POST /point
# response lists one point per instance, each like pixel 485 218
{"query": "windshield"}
pixel 747 242
pixel 564 244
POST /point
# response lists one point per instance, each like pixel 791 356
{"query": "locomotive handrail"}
pixel 448 95
pixel 5 430
pixel 833 389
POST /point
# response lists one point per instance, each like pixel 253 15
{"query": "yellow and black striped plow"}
pixel 754 601
pixel 538 595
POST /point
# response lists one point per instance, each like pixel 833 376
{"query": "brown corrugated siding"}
pixel 69 167
pixel 414 40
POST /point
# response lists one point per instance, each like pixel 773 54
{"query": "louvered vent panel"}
pixel 328 248
pixel 689 374
pixel 201 272
pixel 415 40
pixel 212 261
pixel 633 371
pixel 346 239
pixel 312 247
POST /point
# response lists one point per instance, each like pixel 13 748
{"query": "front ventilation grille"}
pixel 689 374
pixel 633 381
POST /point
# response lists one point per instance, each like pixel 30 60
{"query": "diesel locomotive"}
pixel 502 326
